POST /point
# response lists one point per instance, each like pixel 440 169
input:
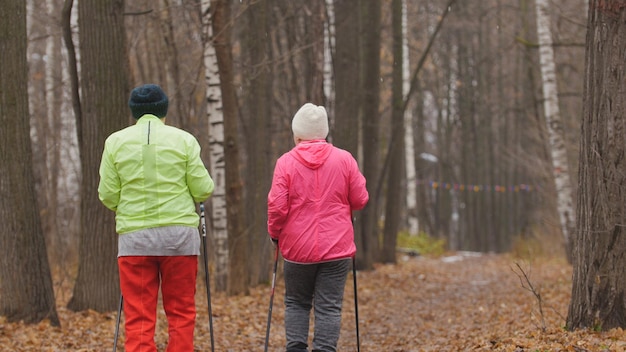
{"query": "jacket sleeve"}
pixel 359 196
pixel 109 187
pixel 199 181
pixel 277 202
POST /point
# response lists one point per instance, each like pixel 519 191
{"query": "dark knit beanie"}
pixel 148 99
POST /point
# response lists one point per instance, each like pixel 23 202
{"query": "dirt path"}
pixel 460 302
pixel 456 303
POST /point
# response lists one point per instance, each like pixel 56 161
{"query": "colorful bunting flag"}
pixel 478 188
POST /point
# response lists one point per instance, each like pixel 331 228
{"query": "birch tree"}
pixel 329 47
pixel 411 181
pixel 558 152
pixel 219 221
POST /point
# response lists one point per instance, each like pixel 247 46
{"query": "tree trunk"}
pixel 423 200
pixel 475 238
pixel 174 75
pixel 329 47
pixel 409 133
pixel 396 151
pixel 599 277
pixel 257 107
pixel 38 67
pixel 61 241
pixel 219 220
pixel 345 134
pixel 556 141
pixel 104 88
pixel 26 292
pixel 237 246
pixel 370 103
pixel 346 65
pixel 46 101
pixel 68 212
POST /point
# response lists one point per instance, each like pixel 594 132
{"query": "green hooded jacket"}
pixel 151 175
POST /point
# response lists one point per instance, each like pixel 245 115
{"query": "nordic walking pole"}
pixel 269 314
pixel 356 304
pixel 117 322
pixel 206 274
pixel 356 299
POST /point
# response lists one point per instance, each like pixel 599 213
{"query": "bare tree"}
pixel 472 96
pixel 44 63
pixel 346 77
pixel 219 219
pixel 558 152
pixel 25 280
pixel 256 113
pixel 105 89
pixel 346 69
pixel 409 133
pixel 367 240
pixel 599 278
pixel 396 141
pixel 237 246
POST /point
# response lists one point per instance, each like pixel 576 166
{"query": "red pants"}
pixel 139 281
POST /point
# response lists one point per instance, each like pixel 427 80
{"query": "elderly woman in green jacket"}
pixel 151 176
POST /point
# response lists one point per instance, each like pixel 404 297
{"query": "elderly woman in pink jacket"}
pixel 315 188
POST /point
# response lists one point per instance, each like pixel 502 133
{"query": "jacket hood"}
pixel 312 154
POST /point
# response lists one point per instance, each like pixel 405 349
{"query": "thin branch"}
pixel 138 13
pixel 526 284
pixel 407 98
pixel 422 59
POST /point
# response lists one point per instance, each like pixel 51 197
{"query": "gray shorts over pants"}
pixel 320 286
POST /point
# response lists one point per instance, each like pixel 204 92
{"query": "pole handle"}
pixel 202 220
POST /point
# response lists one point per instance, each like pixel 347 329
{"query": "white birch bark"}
pixel 411 181
pixel 219 230
pixel 329 44
pixel 553 119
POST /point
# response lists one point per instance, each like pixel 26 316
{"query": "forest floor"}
pixel 456 302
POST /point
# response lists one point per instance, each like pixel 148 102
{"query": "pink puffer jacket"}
pixel 315 188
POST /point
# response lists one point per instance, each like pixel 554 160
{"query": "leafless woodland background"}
pixel 477 107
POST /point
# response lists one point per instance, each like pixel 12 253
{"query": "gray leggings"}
pixel 314 285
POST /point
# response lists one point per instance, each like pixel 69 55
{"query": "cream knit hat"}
pixel 310 122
